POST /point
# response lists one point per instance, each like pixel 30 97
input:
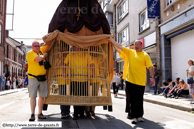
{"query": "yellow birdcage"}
pixel 80 74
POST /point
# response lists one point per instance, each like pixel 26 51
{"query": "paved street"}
pixel 15 107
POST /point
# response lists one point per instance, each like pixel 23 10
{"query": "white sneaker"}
pixel 134 121
pixel 140 119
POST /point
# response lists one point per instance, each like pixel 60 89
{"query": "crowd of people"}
pixel 7 83
pixel 174 89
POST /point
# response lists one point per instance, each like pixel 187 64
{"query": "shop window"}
pixel 122 10
pixel 124 36
pixel 144 21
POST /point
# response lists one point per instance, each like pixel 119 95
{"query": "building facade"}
pixel 2 33
pixel 177 36
pixel 15 57
pixel 132 24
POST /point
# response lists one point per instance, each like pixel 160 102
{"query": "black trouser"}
pixel 115 88
pixel 79 89
pixel 65 109
pixel 122 84
pixel 128 103
pixel 136 93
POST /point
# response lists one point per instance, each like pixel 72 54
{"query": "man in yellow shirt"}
pixel 125 69
pixel 96 59
pixel 35 68
pixel 79 62
pixel 138 60
pixel 62 80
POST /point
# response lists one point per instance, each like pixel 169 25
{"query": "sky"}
pixel 31 18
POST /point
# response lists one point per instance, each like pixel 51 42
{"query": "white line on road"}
pixel 5 105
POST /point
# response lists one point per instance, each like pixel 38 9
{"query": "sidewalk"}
pixel 182 103
pixel 11 91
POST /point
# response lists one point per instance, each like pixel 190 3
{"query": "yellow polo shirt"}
pixel 61 80
pixel 33 66
pixel 79 64
pixel 137 63
pixel 96 61
pixel 126 61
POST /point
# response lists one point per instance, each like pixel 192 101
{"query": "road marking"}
pixel 5 105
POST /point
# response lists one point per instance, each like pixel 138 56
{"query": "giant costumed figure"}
pixel 73 22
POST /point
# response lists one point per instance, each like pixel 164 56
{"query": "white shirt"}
pixel 114 78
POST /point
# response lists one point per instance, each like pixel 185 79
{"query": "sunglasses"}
pixel 36 46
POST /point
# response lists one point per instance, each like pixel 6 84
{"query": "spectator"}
pixel 2 80
pixel 190 72
pixel 8 82
pixel 113 82
pixel 182 89
pixel 177 84
pixel 122 80
pixel 14 82
pixel 156 78
pixel 26 81
pixel 165 89
pixel 118 82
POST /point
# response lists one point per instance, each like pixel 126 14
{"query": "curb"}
pixel 165 104
pixel 10 92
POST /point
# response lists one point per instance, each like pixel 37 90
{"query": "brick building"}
pixel 12 52
pixel 2 33
pixel 15 57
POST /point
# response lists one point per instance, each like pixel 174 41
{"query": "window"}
pixel 124 36
pixel 1 7
pixel 122 9
pixel 109 17
pixel 105 2
pixel 168 2
pixel 144 21
pixel 7 51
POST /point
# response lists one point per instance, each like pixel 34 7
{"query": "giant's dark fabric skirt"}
pixel 92 16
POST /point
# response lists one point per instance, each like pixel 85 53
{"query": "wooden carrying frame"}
pixel 78 76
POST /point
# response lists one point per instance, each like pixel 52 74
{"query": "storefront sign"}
pixel 177 22
pixel 142 40
pixel 153 8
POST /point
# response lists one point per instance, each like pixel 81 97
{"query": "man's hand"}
pixel 152 81
pixel 41 44
pixel 110 39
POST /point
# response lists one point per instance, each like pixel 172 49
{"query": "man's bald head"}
pixel 36 46
pixel 138 45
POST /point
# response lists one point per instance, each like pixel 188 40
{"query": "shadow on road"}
pixel 147 124
pixel 100 121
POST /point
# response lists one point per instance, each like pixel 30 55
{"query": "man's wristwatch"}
pixel 152 76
